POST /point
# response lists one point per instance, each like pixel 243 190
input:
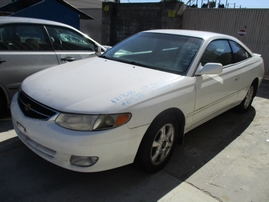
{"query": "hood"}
pixel 93 85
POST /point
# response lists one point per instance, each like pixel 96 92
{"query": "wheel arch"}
pixel 180 119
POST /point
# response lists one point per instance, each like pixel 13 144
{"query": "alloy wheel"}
pixel 162 144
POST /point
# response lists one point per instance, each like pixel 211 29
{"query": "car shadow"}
pixel 27 177
pixel 6 125
pixel 5 122
pixel 206 141
pixel 5 114
pixel 263 90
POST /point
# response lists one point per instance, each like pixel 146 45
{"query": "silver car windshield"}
pixel 165 52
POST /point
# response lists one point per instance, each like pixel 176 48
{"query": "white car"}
pixel 136 101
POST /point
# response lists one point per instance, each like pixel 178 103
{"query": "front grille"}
pixel 34 109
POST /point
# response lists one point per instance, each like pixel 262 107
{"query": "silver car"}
pixel 29 45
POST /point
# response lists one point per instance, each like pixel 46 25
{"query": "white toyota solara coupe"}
pixel 136 101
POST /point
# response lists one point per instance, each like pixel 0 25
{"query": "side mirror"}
pixel 209 68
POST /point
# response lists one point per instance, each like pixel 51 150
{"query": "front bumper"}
pixel 114 148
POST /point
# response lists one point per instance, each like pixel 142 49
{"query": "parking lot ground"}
pixel 225 159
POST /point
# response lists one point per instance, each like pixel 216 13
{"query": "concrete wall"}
pixel 120 21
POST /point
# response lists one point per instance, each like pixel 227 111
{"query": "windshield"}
pixel 165 52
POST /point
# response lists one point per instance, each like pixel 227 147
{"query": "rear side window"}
pixel 68 39
pixel 24 37
pixel 239 53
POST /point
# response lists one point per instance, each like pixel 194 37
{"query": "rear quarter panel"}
pixel 250 70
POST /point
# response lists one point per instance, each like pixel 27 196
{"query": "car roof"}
pixel 11 19
pixel 194 33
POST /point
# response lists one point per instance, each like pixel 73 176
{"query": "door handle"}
pixel 68 59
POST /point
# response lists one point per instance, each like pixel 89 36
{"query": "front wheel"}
pixel 158 144
pixel 245 105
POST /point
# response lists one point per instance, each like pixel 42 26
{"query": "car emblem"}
pixel 27 107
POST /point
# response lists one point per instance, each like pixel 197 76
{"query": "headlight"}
pixel 82 122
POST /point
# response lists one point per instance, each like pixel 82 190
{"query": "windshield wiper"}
pixel 138 64
pixel 109 58
pixel 131 62
pixel 103 56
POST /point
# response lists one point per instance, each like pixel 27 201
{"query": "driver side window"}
pixel 217 51
pixel 68 40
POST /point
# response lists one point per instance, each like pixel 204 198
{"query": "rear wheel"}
pixel 158 144
pixel 245 105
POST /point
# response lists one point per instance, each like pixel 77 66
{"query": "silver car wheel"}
pixel 162 144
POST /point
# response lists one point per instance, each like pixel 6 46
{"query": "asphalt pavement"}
pixel 225 159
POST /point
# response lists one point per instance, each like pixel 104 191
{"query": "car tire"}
pixel 158 144
pixel 245 105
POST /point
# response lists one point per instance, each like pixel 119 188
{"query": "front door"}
pixel 70 45
pixel 216 93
